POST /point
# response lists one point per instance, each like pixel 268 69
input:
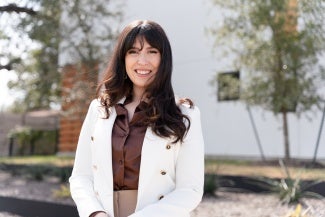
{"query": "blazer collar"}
pixel 121 101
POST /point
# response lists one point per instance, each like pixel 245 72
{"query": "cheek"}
pixel 157 62
pixel 128 63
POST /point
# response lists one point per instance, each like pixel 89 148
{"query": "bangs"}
pixel 144 32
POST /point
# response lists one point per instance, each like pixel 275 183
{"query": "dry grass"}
pixel 254 169
pixel 220 167
pixel 44 160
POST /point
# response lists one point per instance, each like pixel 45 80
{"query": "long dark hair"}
pixel 162 115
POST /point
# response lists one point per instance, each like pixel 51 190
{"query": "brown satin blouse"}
pixel 127 139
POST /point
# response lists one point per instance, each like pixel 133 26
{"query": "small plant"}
pixel 28 141
pixel 62 192
pixel 214 182
pixel 63 173
pixel 23 136
pixel 292 190
pixel 37 172
pixel 298 212
pixel 210 184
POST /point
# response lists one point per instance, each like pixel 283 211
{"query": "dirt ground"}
pixel 226 204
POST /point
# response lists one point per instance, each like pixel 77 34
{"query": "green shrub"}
pixel 45 144
pixel 213 183
pixel 37 172
pixel 37 142
pixel 23 136
pixel 210 184
pixel 63 173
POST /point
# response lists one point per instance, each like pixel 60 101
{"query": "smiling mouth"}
pixel 143 72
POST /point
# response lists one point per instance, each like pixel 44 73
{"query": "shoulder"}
pixel 95 105
pixel 187 107
pixel 96 108
pixel 191 111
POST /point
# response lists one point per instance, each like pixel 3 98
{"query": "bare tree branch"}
pixel 14 8
pixel 7 67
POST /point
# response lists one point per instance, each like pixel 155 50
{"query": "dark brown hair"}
pixel 162 115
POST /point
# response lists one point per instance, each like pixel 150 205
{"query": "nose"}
pixel 142 59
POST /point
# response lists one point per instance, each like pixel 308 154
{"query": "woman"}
pixel 140 151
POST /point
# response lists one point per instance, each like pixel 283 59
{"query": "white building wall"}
pixel 227 127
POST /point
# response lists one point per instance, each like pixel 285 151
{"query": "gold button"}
pixel 163 172
pixel 92 138
pixel 94 167
pixel 160 197
pixel 168 146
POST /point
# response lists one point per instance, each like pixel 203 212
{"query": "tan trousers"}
pixel 125 202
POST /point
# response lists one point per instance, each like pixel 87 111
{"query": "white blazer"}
pixel 171 175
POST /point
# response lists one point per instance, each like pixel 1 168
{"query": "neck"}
pixel 137 94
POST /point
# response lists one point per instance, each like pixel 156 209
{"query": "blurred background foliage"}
pixel 277 46
pixel 32 35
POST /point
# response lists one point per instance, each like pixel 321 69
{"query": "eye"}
pixel 132 51
pixel 153 51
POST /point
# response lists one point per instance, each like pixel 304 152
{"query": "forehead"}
pixel 141 42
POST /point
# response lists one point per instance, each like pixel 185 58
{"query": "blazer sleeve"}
pixel 189 175
pixel 81 180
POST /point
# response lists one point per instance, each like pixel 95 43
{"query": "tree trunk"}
pixel 23 118
pixel 286 135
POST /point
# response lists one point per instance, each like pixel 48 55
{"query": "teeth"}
pixel 143 72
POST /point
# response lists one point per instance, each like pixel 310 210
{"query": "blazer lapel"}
pixel 106 138
pixel 104 133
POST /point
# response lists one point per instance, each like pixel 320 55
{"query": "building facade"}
pixel 227 126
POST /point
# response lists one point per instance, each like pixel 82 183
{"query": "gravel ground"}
pixel 226 204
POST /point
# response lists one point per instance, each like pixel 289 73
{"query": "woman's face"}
pixel 142 65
